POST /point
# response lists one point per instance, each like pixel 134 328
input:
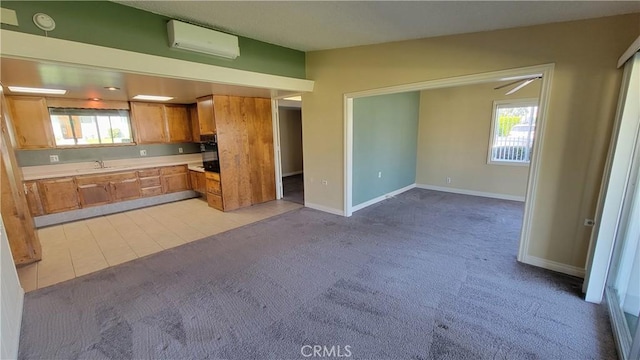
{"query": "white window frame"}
pixel 516 103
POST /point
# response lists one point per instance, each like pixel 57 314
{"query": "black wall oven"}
pixel 209 149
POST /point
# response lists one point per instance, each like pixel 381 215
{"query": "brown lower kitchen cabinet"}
pixel 214 190
pixel 126 188
pixel 104 189
pixel 58 195
pixel 150 184
pixel 33 198
pixel 198 181
pixel 93 194
pixel 48 196
pixel 174 178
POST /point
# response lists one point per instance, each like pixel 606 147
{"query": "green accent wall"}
pixel 73 155
pixel 385 138
pixel 108 24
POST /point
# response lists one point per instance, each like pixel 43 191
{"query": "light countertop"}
pixel 90 167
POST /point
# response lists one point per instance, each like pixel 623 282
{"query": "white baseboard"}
pixel 324 208
pixel 554 266
pixel 292 173
pixel 471 192
pixel 381 198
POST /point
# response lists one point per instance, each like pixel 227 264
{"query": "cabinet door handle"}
pixel 129 180
pixel 87 186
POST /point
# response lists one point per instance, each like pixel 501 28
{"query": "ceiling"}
pixel 86 83
pixel 318 25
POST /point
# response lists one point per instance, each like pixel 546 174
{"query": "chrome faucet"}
pixel 100 164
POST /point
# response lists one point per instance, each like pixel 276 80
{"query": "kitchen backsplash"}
pixel 73 155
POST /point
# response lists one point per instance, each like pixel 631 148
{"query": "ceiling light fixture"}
pixel 152 97
pixel 112 88
pixel 95 99
pixel 30 90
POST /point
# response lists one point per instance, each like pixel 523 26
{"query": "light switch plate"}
pixel 180 150
pixel 54 158
pixel 143 152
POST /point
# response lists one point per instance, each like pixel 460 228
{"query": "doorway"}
pixel 544 72
pixel 291 156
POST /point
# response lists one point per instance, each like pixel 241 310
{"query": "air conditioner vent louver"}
pixel 196 38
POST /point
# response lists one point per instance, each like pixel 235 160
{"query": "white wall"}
pixel 616 176
pixel 290 140
pixel 11 299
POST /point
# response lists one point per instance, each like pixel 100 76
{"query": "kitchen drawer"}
pixel 213 186
pixel 152 191
pixel 212 175
pixel 149 182
pixel 215 201
pixel 171 170
pixel 148 172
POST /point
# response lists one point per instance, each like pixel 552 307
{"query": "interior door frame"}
pixel 544 70
pixel 277 157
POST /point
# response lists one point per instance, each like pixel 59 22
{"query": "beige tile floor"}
pixel 82 247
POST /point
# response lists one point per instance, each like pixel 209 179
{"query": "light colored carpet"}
pixel 425 275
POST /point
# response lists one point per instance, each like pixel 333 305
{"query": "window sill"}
pixel 509 163
pixel 93 146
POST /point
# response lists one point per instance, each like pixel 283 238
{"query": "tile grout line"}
pixel 100 247
pixel 138 226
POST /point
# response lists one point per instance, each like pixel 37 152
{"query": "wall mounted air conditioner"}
pixel 196 38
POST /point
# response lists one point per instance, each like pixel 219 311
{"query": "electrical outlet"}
pixel 143 152
pixel 589 222
pixel 325 182
pixel 379 174
pixel 54 158
pixel 180 150
pixel 448 180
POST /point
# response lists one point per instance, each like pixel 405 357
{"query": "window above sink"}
pixel 92 127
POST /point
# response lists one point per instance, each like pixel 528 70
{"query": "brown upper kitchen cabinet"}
pixel 31 122
pixel 178 123
pixel 149 123
pixel 195 124
pixel 206 117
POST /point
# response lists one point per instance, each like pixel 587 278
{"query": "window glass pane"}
pixel 62 130
pixel 89 130
pixel 513 133
pixel 90 127
pixel 104 126
pixel 120 129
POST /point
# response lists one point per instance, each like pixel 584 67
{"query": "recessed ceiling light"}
pixel 112 88
pixel 152 97
pixel 30 90
pixel 95 99
pixel 293 98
